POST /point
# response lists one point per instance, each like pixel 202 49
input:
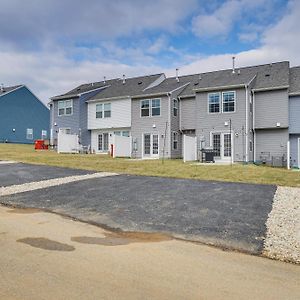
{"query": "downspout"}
pixel 169 121
pixel 247 125
pixel 254 130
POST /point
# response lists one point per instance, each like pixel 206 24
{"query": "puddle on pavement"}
pixel 122 238
pixel 46 244
pixel 24 211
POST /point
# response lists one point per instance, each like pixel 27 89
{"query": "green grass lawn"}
pixel 169 168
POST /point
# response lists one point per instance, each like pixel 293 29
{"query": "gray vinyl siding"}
pixel 141 125
pixel 71 121
pixel 207 123
pixel 294 150
pixel 294 114
pixel 188 113
pixel 77 122
pixel 271 107
pixel 271 142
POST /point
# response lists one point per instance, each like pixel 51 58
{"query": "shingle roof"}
pixel 132 86
pixel 294 80
pixel 168 85
pixel 83 88
pixel 7 89
pixel 267 76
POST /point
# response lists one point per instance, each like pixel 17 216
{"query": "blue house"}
pixel 23 117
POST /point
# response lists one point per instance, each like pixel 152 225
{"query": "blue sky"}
pixel 52 46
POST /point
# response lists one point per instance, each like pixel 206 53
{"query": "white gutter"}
pixel 247 125
pixel 294 94
pixel 169 121
pixel 272 88
pixel 219 87
pixel 254 130
pixel 108 99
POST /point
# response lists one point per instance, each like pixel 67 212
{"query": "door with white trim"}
pixel 222 144
pixel 150 145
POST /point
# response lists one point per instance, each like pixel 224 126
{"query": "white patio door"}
pixel 222 144
pixel 151 145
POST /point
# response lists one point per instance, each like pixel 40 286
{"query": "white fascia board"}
pixel 108 99
pixel 283 87
pixel 219 88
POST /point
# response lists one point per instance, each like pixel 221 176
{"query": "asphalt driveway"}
pixel 20 173
pixel 231 215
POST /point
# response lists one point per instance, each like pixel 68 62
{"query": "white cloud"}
pixel 279 42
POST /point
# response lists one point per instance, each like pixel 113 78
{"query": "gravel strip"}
pixel 283 226
pixel 37 185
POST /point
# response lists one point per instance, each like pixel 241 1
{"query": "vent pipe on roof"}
pixel 104 80
pixel 177 78
pixel 200 77
pixel 2 87
pixel 124 79
pixel 233 64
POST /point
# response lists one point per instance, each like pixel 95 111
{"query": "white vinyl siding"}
pixel 65 108
pixel 119 111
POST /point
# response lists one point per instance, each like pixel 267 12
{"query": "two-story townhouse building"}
pixel 294 117
pixel 110 110
pixel 68 112
pixel 219 109
pixel 155 120
pixel 24 118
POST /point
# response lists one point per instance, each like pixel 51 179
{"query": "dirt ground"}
pixel 46 256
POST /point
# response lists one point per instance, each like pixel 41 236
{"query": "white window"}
pixel 228 101
pixel 117 133
pixel 103 110
pixel 29 134
pixel 107 110
pixel 175 107
pixel 44 134
pixel 175 140
pixel 99 111
pixel 65 108
pixel 125 133
pixel 155 107
pixel 145 108
pixel 150 108
pixel 214 103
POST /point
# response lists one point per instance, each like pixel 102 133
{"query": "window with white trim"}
pixel 155 104
pixel 107 110
pixel 29 134
pixel 150 107
pixel 228 101
pixel 65 107
pixel 44 134
pixel 145 108
pixel 99 111
pixel 103 110
pixel 214 103
pixel 175 140
pixel 175 107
